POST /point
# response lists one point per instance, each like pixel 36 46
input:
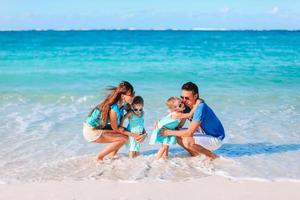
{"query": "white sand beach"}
pixel 213 187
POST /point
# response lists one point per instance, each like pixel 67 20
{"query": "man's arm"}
pixel 194 125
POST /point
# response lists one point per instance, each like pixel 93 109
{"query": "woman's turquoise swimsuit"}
pixel 119 111
pixel 135 125
pixel 94 119
pixel 166 122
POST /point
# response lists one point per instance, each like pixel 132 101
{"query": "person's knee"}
pixel 188 143
pixel 179 140
pixel 124 139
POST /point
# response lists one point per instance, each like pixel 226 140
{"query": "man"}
pixel 205 132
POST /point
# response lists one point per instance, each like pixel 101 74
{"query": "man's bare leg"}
pixel 180 142
pixel 196 149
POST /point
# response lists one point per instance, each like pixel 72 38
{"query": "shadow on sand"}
pixel 238 150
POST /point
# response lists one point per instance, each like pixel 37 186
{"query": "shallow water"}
pixel 50 80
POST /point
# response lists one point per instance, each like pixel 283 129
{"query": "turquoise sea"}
pixel 49 81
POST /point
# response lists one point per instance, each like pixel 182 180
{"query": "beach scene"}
pixel 52 78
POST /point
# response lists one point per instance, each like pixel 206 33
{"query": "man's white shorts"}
pixel 208 142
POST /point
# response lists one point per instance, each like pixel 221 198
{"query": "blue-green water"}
pixel 49 80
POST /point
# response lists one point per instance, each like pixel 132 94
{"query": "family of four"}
pixel 104 124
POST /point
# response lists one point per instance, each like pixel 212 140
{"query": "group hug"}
pixel 105 124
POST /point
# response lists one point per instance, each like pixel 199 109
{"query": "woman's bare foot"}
pixel 99 158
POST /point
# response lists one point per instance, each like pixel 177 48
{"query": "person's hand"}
pixel 121 129
pixel 135 136
pixel 141 138
pixel 164 132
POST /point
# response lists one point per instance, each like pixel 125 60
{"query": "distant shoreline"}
pixel 154 30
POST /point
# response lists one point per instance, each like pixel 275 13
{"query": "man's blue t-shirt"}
pixel 210 123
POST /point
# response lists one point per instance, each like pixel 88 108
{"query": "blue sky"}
pixel 151 14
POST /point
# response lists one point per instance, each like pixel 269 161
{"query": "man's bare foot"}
pixel 213 157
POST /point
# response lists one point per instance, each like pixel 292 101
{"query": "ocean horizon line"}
pixel 158 29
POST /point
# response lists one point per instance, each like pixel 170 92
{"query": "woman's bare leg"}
pixel 115 140
pixel 113 153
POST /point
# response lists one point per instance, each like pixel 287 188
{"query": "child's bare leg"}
pixel 131 154
pixel 137 153
pixel 161 151
pixel 166 153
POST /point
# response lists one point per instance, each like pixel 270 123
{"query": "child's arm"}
pixel 190 114
pixel 182 122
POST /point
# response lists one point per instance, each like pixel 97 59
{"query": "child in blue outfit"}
pixel 171 121
pixel 135 125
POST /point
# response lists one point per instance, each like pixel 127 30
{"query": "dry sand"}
pixel 213 187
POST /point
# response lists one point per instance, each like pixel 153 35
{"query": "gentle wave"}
pixel 50 80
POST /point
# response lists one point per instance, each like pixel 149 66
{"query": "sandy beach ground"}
pixel 213 187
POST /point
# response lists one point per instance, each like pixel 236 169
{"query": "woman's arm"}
pixel 113 120
pixel 194 125
pixel 141 138
pixel 128 115
pixel 114 125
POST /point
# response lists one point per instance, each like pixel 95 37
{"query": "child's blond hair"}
pixel 171 102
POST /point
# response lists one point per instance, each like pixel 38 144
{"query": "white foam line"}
pixel 258 179
pixel 286 179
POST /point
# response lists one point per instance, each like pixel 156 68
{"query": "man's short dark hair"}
pixel 190 86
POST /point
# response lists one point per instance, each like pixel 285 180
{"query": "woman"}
pixel 103 122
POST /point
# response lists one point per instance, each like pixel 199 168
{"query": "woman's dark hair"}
pixel 114 96
pixel 190 86
pixel 137 100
